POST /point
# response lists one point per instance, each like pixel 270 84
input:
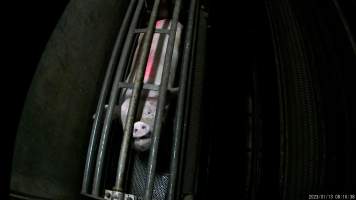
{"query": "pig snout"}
pixel 141 129
pixel 141 135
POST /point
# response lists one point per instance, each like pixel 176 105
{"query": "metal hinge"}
pixel 116 195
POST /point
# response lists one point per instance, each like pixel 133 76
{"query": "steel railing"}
pixel 123 47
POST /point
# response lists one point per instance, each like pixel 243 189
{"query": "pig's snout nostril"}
pixel 141 130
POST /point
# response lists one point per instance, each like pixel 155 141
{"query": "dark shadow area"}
pixel 28 26
pixel 242 148
pixel 242 61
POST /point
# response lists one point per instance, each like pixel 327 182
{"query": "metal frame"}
pixel 178 126
pixel 161 103
pixel 103 94
pixel 138 84
pixel 137 87
pixel 113 97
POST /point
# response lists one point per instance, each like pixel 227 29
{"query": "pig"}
pixel 143 127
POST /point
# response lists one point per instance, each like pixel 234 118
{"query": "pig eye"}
pixel 143 127
pixel 148 112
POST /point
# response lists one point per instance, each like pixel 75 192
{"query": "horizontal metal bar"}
pixel 143 30
pixel 92 196
pixel 138 83
pixel 173 90
pixel 103 94
pixel 146 86
pixel 113 99
pixel 24 196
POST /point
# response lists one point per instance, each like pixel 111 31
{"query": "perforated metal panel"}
pixel 139 179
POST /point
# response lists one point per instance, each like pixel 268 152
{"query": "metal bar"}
pixel 100 107
pixel 173 90
pixel 346 25
pixel 143 30
pixel 161 103
pixel 188 96
pixel 172 76
pixel 138 82
pixel 180 105
pixel 113 97
pixel 146 86
pixel 92 196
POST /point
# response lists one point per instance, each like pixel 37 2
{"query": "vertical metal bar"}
pixel 138 83
pixel 113 98
pixel 104 90
pixel 161 103
pixel 180 105
pixel 346 25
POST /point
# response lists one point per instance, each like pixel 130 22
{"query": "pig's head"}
pixel 142 129
pixel 142 136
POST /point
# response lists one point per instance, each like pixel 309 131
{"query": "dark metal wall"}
pixel 26 29
pixel 50 151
